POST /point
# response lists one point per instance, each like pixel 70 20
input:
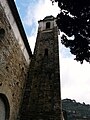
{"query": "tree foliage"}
pixel 74 19
pixel 76 110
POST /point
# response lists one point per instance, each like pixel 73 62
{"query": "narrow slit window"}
pixel 47 25
pixel 46 52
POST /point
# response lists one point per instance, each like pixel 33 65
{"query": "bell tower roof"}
pixel 47 18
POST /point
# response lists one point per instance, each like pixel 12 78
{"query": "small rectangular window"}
pixel 46 52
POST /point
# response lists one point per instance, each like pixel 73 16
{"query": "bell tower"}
pixel 42 97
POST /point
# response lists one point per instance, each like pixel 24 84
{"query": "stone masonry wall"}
pixel 13 67
pixel 42 97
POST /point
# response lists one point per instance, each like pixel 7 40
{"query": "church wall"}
pixel 13 64
pixel 12 22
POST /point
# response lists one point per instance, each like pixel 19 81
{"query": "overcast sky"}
pixel 75 78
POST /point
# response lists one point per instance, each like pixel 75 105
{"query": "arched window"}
pixel 4 107
pixel 47 25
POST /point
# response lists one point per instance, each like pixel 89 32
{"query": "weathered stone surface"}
pixel 42 99
pixel 13 66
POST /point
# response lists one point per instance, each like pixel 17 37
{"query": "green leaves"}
pixel 74 19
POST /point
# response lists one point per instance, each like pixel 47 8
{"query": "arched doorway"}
pixel 2 110
pixel 4 107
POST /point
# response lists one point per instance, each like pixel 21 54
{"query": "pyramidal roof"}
pixel 47 18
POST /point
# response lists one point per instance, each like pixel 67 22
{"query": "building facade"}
pixel 29 85
pixel 15 55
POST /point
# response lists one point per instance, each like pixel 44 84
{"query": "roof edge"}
pixel 16 16
pixel 47 18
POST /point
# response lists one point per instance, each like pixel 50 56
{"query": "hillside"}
pixel 75 111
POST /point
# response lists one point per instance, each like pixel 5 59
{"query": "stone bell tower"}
pixel 42 97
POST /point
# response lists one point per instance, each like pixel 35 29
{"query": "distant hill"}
pixel 75 111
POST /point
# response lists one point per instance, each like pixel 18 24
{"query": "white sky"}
pixel 75 78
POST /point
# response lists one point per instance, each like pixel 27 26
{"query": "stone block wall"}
pixel 42 97
pixel 13 66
